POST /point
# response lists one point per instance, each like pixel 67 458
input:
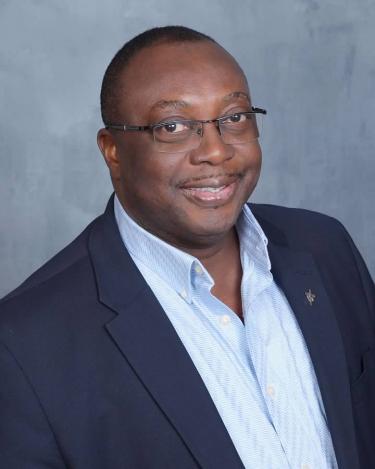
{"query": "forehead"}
pixel 198 73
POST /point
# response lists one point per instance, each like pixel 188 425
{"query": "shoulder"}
pixel 284 216
pixel 325 238
pixel 298 226
pixel 52 292
pixel 57 266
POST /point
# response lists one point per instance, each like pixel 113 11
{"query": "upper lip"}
pixel 210 181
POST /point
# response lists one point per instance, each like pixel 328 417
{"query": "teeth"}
pixel 208 189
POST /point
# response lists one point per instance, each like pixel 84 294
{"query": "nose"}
pixel 212 149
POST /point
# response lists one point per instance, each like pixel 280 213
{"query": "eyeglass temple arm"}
pixel 127 127
pixel 258 110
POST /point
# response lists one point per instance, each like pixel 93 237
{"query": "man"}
pixel 183 329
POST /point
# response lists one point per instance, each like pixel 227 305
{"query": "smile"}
pixel 209 195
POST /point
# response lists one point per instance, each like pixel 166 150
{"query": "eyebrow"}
pixel 237 94
pixel 175 104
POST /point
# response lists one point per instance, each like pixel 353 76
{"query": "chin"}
pixel 214 223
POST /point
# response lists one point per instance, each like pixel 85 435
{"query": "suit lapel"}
pixel 299 278
pixel 148 341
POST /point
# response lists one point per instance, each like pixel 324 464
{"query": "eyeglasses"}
pixel 180 135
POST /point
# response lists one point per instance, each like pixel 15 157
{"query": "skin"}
pixel 157 189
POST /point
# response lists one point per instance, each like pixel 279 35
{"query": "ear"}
pixel 108 148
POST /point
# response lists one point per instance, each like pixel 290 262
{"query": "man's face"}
pixel 165 191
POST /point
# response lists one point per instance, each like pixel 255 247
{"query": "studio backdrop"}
pixel 310 63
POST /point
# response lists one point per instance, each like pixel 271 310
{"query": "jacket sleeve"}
pixel 26 438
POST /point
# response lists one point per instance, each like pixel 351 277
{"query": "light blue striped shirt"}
pixel 259 374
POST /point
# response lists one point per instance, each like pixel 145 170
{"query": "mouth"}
pixel 211 192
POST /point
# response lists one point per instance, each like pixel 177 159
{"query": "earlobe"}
pixel 108 148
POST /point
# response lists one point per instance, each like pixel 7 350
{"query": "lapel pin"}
pixel 310 296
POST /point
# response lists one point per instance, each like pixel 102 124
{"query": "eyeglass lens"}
pixel 180 136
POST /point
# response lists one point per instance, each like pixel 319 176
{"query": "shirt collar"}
pixel 253 241
pixel 177 268
pixel 172 265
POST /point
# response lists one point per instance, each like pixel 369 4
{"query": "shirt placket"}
pixel 280 383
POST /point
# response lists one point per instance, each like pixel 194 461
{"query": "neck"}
pixel 223 262
pixel 216 257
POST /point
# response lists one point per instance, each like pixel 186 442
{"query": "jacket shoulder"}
pixel 325 238
pixel 62 289
pixel 75 251
pixel 296 225
pixel 282 216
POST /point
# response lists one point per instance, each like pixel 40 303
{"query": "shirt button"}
pixel 305 466
pixel 270 390
pixel 183 294
pixel 225 320
pixel 198 269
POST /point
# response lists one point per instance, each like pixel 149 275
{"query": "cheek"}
pixel 254 156
pixel 252 162
pixel 149 178
pixel 256 165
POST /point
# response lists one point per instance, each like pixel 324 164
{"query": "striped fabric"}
pixel 259 374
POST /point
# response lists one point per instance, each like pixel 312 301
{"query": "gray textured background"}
pixel 310 63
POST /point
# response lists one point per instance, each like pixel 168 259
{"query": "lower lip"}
pixel 211 199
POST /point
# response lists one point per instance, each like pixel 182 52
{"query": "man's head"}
pixel 190 198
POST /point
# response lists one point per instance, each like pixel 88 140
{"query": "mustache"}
pixel 192 179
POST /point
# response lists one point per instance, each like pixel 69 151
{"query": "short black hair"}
pixel 109 98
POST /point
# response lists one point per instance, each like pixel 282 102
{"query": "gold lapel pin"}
pixel 310 296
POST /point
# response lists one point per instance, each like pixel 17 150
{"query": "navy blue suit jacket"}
pixel 93 375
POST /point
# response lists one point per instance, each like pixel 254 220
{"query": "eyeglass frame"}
pixel 124 127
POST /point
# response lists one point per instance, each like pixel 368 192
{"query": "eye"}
pixel 174 127
pixel 235 118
